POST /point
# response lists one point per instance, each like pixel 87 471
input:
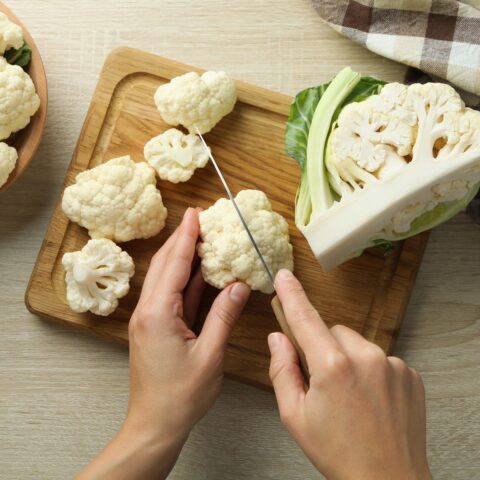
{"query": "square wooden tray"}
pixel 369 294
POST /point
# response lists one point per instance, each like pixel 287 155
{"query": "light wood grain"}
pixel 63 393
pixel 27 140
pixel 370 292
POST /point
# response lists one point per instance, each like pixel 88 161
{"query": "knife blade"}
pixel 276 304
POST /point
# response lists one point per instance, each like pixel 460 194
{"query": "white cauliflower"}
pixel 226 252
pixel 11 35
pixel 175 156
pixel 196 102
pixel 18 99
pixel 8 160
pixel 117 200
pixel 97 276
pixel 400 162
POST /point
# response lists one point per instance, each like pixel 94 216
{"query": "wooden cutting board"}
pixel 369 294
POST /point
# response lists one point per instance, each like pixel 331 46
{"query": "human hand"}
pixel 175 376
pixel 363 417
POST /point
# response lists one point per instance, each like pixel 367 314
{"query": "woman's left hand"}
pixel 175 376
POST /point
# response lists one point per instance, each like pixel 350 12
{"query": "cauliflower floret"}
pixel 117 200
pixel 196 102
pixel 18 99
pixel 11 35
pixel 97 276
pixel 175 156
pixel 373 138
pixel 8 160
pixel 226 252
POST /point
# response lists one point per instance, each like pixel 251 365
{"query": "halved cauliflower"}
pixel 11 35
pixel 175 156
pixel 8 160
pixel 97 276
pixel 226 252
pixel 18 99
pixel 117 200
pixel 196 101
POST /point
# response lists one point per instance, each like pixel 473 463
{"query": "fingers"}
pixel 286 376
pixel 192 297
pixel 308 328
pixel 225 311
pixel 178 267
pixel 157 265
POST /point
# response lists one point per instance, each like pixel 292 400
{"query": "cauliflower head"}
pixel 97 276
pixel 175 156
pixel 393 163
pixel 11 35
pixel 226 252
pixel 18 99
pixel 117 200
pixel 8 160
pixel 196 101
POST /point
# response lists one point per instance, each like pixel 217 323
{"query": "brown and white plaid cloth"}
pixel 439 37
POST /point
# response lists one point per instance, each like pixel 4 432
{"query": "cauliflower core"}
pixel 196 101
pixel 175 156
pixel 226 252
pixel 117 200
pixel 18 99
pixel 97 276
pixel 11 35
pixel 8 160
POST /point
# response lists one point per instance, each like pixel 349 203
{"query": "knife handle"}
pixel 282 321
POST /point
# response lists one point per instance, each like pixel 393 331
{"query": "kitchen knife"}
pixel 276 304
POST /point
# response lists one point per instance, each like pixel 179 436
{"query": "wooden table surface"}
pixel 63 393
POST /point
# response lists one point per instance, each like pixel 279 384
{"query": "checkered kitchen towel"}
pixel 440 37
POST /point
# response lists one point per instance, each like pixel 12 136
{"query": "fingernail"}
pixel 284 274
pixel 239 293
pixel 274 342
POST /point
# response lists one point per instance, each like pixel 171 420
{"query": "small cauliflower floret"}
pixel 196 101
pixel 11 35
pixel 18 99
pixel 8 160
pixel 226 252
pixel 97 276
pixel 175 156
pixel 117 200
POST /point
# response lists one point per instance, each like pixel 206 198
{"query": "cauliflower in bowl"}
pixel 97 276
pixel 196 101
pixel 8 160
pixel 11 35
pixel 226 252
pixel 118 200
pixel 18 99
pixel 175 156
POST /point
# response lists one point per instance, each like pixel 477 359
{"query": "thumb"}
pixel 225 311
pixel 286 375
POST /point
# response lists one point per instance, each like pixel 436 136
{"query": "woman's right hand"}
pixel 363 417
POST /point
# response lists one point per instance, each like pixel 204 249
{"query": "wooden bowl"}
pixel 26 141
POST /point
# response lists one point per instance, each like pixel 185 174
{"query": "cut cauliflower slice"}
pixel 18 99
pixel 97 276
pixel 175 156
pixel 8 160
pixel 117 200
pixel 196 101
pixel 226 252
pixel 11 35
